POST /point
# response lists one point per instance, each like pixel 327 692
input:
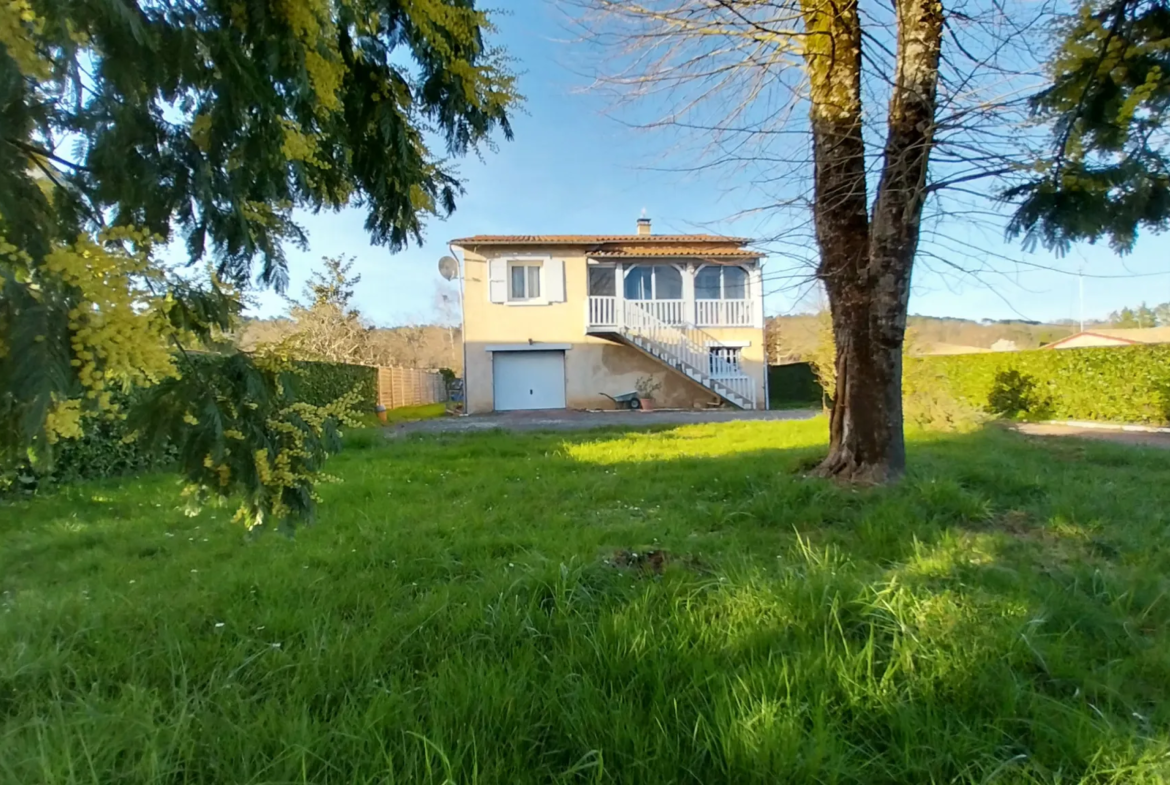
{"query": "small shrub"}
pixel 1015 394
pixel 647 386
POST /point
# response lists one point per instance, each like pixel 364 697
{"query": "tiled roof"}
pixel 674 251
pixel 593 239
pixel 1136 334
pixel 1127 335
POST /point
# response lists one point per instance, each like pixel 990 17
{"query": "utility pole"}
pixel 1081 286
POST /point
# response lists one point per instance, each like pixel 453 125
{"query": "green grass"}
pixel 429 411
pixel 411 413
pixel 1003 615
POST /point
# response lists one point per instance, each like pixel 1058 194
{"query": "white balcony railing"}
pixel 601 311
pixel 723 313
pixel 605 311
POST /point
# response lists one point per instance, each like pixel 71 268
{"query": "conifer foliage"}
pixel 204 123
pixel 1109 175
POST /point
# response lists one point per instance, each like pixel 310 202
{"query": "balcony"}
pixel 609 313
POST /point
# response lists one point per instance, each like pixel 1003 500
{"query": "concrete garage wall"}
pixel 593 369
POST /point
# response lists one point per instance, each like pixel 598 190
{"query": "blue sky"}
pixel 572 168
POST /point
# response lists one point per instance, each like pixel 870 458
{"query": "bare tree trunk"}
pixel 865 265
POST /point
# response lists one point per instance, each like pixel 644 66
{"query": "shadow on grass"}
pixel 458 616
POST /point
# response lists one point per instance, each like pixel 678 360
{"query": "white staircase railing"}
pixel 688 350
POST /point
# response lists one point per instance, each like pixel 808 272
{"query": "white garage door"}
pixel 528 380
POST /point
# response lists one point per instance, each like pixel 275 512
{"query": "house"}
pixel 938 349
pixel 1113 337
pixel 561 321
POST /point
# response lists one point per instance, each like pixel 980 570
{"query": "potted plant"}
pixel 646 387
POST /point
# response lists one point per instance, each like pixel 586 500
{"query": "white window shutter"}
pixel 498 280
pixel 554 280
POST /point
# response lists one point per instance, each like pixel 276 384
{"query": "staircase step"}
pixel 667 355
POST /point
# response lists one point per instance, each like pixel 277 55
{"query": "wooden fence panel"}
pixel 398 387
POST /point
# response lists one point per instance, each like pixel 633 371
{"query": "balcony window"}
pixel 601 281
pixel 653 282
pixel 721 283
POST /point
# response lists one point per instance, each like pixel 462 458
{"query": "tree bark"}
pixel 866 264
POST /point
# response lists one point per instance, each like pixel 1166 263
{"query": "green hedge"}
pixel 794 384
pixel 320 383
pixel 101 452
pixel 1114 384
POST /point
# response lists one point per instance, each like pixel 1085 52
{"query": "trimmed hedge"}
pixel 321 383
pixel 794 384
pixel 1114 384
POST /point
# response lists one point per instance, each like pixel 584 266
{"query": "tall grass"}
pixel 457 616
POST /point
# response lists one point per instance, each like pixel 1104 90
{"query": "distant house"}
pixel 1113 337
pixel 953 348
pixel 556 321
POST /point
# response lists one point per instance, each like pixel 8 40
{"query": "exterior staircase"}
pixel 683 348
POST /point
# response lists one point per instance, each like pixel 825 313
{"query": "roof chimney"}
pixel 644 226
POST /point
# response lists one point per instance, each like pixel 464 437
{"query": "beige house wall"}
pixel 593 365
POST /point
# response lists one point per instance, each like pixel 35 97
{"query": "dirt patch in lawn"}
pixel 652 561
pixel 1059 547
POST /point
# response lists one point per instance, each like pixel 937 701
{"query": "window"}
pixel 523 281
pixel 724 361
pixel 721 283
pixel 601 281
pixel 653 282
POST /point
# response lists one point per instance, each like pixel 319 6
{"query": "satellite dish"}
pixel 449 267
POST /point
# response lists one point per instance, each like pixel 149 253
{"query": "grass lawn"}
pixel 411 413
pixel 470 609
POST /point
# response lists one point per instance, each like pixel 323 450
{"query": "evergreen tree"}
pixel 127 123
pixel 325 327
pixel 1142 316
pixel 1125 318
pixel 1109 174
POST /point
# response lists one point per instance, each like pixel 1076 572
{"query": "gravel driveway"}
pixel 1116 435
pixel 571 420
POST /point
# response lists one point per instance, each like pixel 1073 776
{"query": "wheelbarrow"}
pixel 628 400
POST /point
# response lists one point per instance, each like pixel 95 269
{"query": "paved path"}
pixel 570 420
pixel 1118 436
